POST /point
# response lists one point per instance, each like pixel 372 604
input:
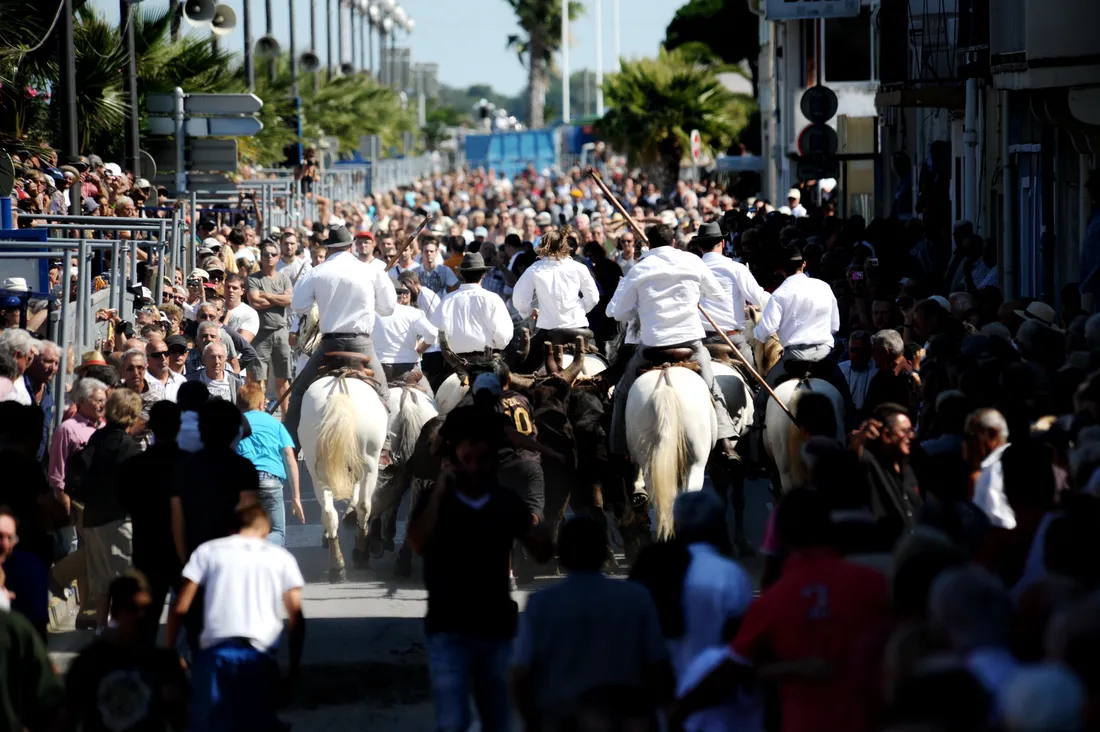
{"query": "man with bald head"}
pixel 156 354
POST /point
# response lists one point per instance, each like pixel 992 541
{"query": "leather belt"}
pixel 329 336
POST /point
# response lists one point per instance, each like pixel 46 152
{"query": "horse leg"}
pixel 331 521
pixel 403 566
pixel 360 556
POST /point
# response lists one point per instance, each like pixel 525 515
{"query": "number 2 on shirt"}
pixel 819 601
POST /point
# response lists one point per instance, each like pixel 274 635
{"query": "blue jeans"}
pixel 234 687
pixel 271 498
pixel 461 666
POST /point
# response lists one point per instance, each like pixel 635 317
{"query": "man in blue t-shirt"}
pixel 271 450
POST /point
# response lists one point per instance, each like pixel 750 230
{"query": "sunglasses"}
pixel 177 350
pixel 158 354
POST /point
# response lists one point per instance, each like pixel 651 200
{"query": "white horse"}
pixel 342 432
pixel 738 397
pixel 783 438
pixel 451 392
pixel 411 409
pixel 670 431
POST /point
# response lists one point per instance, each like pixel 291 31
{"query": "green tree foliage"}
pixel 541 22
pixel 724 30
pixel 654 103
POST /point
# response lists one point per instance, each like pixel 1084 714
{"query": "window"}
pixel 849 48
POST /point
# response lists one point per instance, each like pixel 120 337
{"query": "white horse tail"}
pixel 340 459
pixel 795 464
pixel 410 421
pixel 669 456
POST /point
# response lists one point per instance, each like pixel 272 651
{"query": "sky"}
pixel 467 38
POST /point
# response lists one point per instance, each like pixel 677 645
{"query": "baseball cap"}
pixel 480 231
pixel 143 183
pixel 200 273
pixel 488 381
pixel 213 264
pixel 113 170
pixel 176 340
pixel 211 243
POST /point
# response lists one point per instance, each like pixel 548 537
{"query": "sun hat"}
pixel 472 262
pixel 1040 311
pixel 213 264
pixel 15 284
pixel 338 236
pixel 200 273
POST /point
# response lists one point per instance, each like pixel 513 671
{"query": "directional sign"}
pixel 696 146
pixel 205 104
pixel 213 156
pixel 208 126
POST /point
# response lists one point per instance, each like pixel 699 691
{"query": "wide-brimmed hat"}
pixel 709 233
pixel 15 284
pixel 90 358
pixel 338 236
pixel 1040 311
pixel 472 262
pixel 200 273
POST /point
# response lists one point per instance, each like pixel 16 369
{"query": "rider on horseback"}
pixel 663 291
pixel 564 291
pixel 473 318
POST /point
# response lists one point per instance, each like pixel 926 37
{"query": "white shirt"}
pixel 19 393
pixel 377 263
pixel 858 381
pixel 171 389
pixel 348 293
pixel 395 335
pixel 804 312
pixel 989 491
pixel 665 288
pixel 296 270
pixel 798 211
pixel 715 590
pixel 736 279
pixel 243 317
pixel 428 303
pixel 565 290
pixel 245 579
pixel 473 318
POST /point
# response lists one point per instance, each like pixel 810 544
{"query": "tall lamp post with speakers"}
pixel 374 17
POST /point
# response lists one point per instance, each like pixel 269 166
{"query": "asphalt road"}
pixel 364 657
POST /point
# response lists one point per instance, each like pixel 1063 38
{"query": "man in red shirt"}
pixel 805 629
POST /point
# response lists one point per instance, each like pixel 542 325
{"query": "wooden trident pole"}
pixel 641 235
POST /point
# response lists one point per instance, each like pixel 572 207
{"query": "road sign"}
pixel 696 146
pixel 796 9
pixel 207 126
pixel 817 140
pixel 211 156
pixel 819 103
pixel 205 104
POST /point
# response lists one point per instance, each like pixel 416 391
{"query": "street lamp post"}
pixel 328 37
pixel 313 41
pixel 295 92
pixel 373 14
pixel 385 57
pixel 270 32
pixel 353 11
pixel 67 58
pixel 599 58
pixel 565 61
pixel 249 63
pixel 132 131
pixel 339 33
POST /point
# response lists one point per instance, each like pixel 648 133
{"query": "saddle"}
pixel 658 357
pixel 347 364
pixel 720 352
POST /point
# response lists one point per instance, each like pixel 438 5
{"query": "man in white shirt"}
pixel 804 313
pixel 156 353
pixel 987 434
pixel 473 318
pixel 245 578
pixel 794 200
pixel 349 294
pixel 22 347
pixel 364 243
pixel 663 291
pixel 715 595
pixel 735 279
pixel 564 290
pixel 400 338
pixel 239 315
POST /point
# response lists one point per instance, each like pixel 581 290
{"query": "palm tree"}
pixel 655 103
pixel 541 21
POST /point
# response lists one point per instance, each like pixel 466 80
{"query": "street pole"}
pixel 132 136
pixel 421 102
pixel 565 61
pixel 370 46
pixel 179 141
pixel 249 61
pixel 271 33
pixel 313 40
pixel 339 33
pixel 599 58
pixel 295 92
pixel 615 31
pixel 328 36
pixel 67 58
pixel 351 35
pixel 364 34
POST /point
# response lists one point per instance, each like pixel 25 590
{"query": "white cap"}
pixel 795 194
pixel 245 254
pixel 211 242
pixel 15 284
pixel 142 183
pixel 481 231
pixel 113 169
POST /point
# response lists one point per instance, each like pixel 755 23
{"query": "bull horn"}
pixel 573 370
pixel 525 340
pixel 450 356
pixel 524 383
pixel 548 359
pixel 558 353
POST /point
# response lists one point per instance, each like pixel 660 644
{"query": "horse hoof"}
pixel 360 559
pixel 337 576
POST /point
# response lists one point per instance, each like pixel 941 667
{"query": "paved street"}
pixel 364 657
